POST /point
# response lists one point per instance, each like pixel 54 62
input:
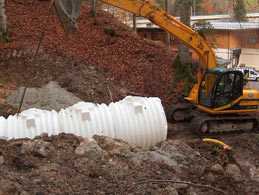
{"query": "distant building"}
pixel 238 42
pixel 231 37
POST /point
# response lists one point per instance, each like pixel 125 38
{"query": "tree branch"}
pixel 110 93
pixel 36 53
pixel 174 181
pixel 19 2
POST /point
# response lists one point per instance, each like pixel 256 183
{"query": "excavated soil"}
pixel 101 67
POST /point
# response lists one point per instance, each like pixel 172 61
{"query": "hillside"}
pixel 104 63
pixel 119 56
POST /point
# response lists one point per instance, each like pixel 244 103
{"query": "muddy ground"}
pixel 102 70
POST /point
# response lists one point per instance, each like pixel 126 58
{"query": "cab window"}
pixel 229 88
pixel 206 89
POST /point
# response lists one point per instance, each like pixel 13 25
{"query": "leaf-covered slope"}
pixel 141 66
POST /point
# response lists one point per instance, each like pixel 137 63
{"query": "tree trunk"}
pixel 168 35
pixel 134 23
pixel 3 22
pixel 94 10
pixel 185 17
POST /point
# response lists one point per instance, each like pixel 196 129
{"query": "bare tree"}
pixel 3 22
pixel 94 9
pixel 185 17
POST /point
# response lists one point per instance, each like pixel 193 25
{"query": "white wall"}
pixel 223 53
pixel 250 57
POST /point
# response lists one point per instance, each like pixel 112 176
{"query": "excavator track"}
pixel 207 126
pixel 179 112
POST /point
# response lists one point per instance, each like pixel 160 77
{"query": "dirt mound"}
pixel 50 97
pixel 122 58
pixel 72 165
pixel 98 66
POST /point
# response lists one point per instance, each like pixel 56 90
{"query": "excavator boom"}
pixel 67 11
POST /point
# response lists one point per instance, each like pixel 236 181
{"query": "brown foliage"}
pixel 143 66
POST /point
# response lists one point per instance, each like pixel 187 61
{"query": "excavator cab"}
pixel 220 87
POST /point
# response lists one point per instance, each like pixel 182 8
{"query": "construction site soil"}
pixel 101 63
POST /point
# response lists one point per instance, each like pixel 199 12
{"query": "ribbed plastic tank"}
pixel 31 123
pixel 3 128
pixel 140 121
pixel 87 119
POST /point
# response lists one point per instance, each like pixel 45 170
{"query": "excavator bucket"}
pixel 67 12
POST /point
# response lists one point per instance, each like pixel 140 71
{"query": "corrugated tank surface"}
pixel 30 123
pixel 139 120
pixel 87 119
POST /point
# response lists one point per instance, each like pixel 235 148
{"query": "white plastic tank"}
pixel 140 121
pixel 87 119
pixel 31 123
pixel 3 128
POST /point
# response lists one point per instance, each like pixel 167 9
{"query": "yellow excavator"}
pixel 218 102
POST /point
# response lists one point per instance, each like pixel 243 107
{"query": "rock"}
pixel 254 173
pixel 50 167
pixel 14 53
pixel 210 177
pixel 197 170
pixel 179 145
pixel 1 160
pixel 171 152
pixel 182 153
pixel 38 147
pixel 192 193
pixel 81 164
pixel 233 171
pixel 181 188
pixel 43 135
pixel 217 169
pixel 243 163
pixel 42 148
pixel 171 190
pixel 113 146
pixel 25 193
pixel 89 148
pixel 153 156
pixel 27 147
